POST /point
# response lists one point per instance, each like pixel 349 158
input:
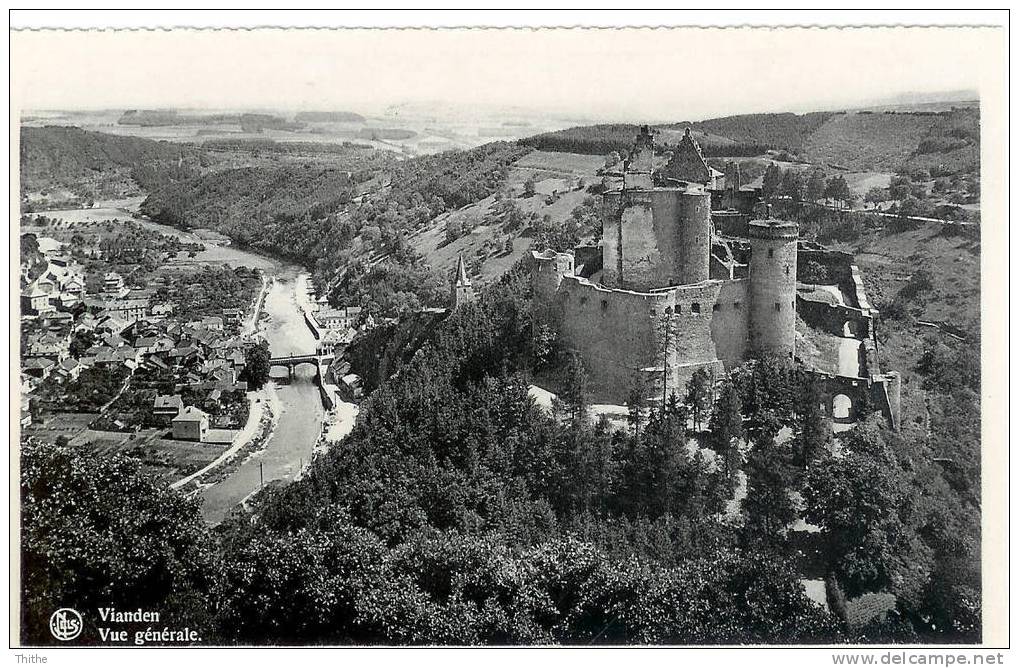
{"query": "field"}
pixel 165 457
pixel 561 163
pixel 100 220
pixel 407 129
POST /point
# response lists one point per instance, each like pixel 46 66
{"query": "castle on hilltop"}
pixel 668 295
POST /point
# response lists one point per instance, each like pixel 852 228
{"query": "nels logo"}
pixel 65 624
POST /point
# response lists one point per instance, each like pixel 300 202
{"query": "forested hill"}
pixel 307 213
pixel 947 142
pixel 261 207
pixel 94 164
pixel 603 139
pixel 780 131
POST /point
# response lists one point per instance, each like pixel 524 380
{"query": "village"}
pixel 131 349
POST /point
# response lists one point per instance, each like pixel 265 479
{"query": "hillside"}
pixel 603 139
pixel 350 226
pixel 867 141
pixel 60 163
pixel 947 142
pixel 270 209
pixel 486 225
pixel 779 131
pixel 931 274
pixel 328 117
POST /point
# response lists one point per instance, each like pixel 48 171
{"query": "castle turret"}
pixel 462 291
pixel 773 287
pixel 547 272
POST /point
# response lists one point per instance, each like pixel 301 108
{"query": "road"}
pixel 240 440
pixel 849 357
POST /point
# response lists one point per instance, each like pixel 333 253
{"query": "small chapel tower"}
pixel 462 291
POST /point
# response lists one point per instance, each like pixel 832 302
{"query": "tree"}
pixel 612 159
pixel 574 394
pixel 875 195
pixel 699 395
pixel 792 185
pixel 813 426
pixel 635 401
pixel 767 505
pixel 837 190
pixel 913 206
pixel 454 229
pixel 772 181
pixel 815 186
pixel 81 341
pixel 727 428
pixel 530 187
pixel 97 532
pixel 900 187
pixel 855 499
pixel 256 365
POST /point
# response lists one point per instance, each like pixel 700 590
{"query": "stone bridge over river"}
pixel 320 361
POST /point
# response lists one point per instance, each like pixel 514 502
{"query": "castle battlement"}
pixel 773 229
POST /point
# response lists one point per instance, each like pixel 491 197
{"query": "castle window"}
pixel 679 308
pixel 716 307
pixel 737 305
pixel 771 252
pixel 778 307
pixel 583 300
pixel 695 307
pixel 605 305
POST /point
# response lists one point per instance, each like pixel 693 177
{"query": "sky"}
pixel 626 75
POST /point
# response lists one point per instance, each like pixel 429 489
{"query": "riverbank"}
pixel 264 407
pixel 251 326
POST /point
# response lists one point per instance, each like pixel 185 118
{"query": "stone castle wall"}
pixel 615 331
pixel 730 322
pixel 690 327
pixel 655 238
pixel 623 335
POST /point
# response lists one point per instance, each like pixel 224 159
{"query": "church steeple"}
pixel 462 291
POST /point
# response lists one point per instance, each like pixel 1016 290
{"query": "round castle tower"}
pixel 773 287
pixel 686 215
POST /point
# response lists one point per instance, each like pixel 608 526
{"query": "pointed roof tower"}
pixel 461 271
pixel 462 291
pixel 687 163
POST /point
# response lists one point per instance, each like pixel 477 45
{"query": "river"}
pixel 300 421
